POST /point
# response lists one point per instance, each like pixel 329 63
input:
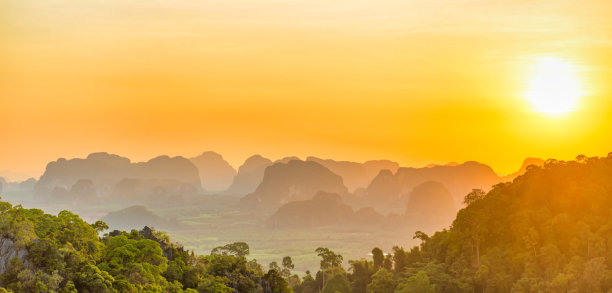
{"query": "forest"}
pixel 549 230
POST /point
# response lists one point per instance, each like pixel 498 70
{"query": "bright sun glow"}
pixel 554 87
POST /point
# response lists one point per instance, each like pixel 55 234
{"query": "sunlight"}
pixel 554 87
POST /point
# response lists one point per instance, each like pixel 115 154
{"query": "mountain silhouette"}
pixel 287 159
pixel 134 217
pixel 385 186
pixel 356 175
pixel 324 209
pixel 249 175
pixel 292 181
pixel 216 174
pixel 460 179
pixel 526 163
pixel 430 207
pixel 102 172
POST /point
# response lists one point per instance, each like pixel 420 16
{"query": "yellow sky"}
pixel 412 81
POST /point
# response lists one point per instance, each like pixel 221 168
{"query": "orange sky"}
pixel 412 81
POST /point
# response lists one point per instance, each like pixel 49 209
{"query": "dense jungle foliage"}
pixel 46 253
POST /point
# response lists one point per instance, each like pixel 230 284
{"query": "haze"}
pixel 351 80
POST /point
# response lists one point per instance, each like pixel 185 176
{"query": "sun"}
pixel 554 87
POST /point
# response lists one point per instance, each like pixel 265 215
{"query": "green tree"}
pixel 308 285
pixel 378 257
pixel 474 196
pixel 287 267
pixel 338 283
pixel 388 262
pixel 362 271
pixel 276 282
pixel 329 260
pixel 382 282
pixel 238 249
pixel 399 259
pixel 213 284
pixel 418 283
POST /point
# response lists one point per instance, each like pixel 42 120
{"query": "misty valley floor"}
pixel 214 222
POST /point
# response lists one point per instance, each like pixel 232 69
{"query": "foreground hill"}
pixel 292 181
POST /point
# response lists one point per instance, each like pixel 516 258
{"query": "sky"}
pixel 415 81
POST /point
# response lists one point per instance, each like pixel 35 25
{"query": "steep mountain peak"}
pixel 526 163
pixel 215 173
pixel 531 161
pixel 356 175
pixel 249 175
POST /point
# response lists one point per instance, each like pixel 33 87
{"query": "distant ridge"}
pixel 292 181
pixel 216 174
pixel 526 163
pixel 134 217
pixel 430 206
pixel 459 180
pixel 324 209
pixel 101 174
pixel 249 175
pixel 356 175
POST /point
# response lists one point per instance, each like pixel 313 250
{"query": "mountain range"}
pixel 105 175
pixel 289 186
